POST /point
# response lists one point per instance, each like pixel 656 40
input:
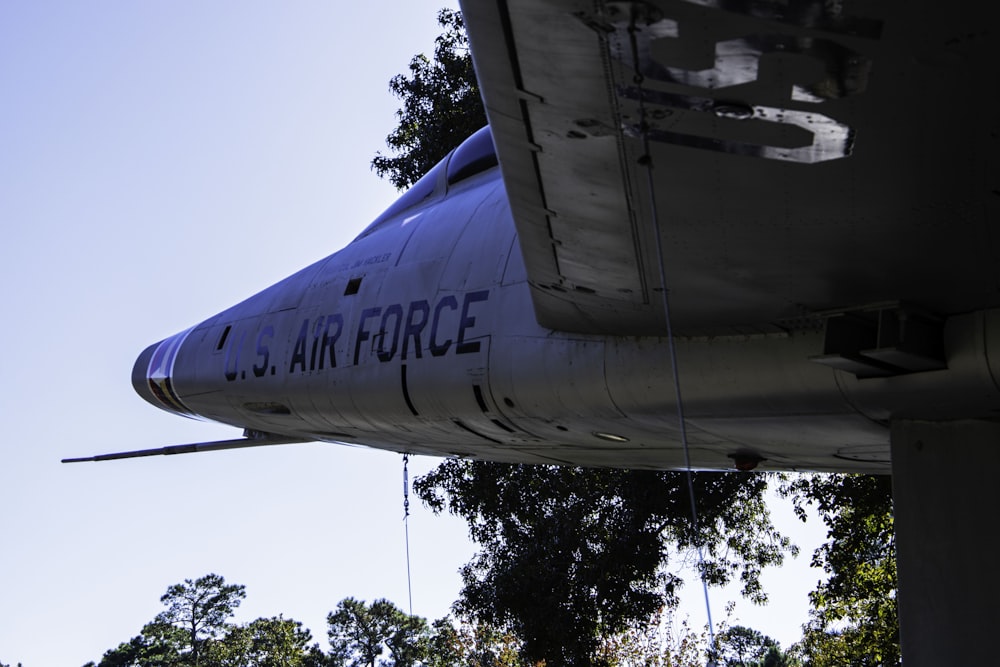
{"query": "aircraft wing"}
pixel 793 157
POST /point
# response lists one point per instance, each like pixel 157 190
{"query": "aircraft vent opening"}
pixel 223 337
pixel 353 285
pixel 883 342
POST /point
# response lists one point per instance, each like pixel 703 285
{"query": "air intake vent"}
pixel 883 342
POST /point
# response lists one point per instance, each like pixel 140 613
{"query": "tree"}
pixel 775 657
pixel 471 645
pixel 441 106
pixel 157 644
pixel 740 646
pixel 854 616
pixel 194 630
pixel 660 642
pixel 360 634
pixel 363 635
pixel 265 642
pixel 572 555
pixel 201 608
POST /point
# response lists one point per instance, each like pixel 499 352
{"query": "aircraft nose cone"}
pixel 140 380
pixel 151 375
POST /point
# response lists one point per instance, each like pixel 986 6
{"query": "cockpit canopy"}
pixel 473 156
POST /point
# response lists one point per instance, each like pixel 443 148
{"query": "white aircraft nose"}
pixel 151 375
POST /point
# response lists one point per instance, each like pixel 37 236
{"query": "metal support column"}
pixel 947 519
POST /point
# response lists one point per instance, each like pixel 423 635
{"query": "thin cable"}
pixel 406 526
pixel 647 161
pixel 680 403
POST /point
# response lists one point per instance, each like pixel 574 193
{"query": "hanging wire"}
pixel 646 160
pixel 406 526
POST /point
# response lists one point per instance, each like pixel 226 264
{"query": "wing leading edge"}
pixel 799 157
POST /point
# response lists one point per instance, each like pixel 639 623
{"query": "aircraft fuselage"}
pixel 420 337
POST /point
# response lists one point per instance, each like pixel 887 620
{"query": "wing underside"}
pixel 788 158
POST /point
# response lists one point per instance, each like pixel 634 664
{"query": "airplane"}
pixel 771 164
pixel 790 204
pixel 420 337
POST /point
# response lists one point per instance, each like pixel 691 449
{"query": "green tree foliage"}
pixel 441 106
pixel 381 634
pixel 471 645
pixel 265 642
pixel 854 616
pixel 200 607
pixel 571 555
pixel 740 646
pixel 194 630
pixel 776 657
pixel 157 644
pixel 361 634
pixel 660 642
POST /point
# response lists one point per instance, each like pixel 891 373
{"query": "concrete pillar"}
pixel 946 491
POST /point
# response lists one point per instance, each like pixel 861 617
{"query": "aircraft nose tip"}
pixel 140 379
pixel 152 375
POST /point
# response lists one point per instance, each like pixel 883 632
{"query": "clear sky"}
pixel 160 161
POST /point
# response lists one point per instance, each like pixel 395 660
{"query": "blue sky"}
pixel 160 161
